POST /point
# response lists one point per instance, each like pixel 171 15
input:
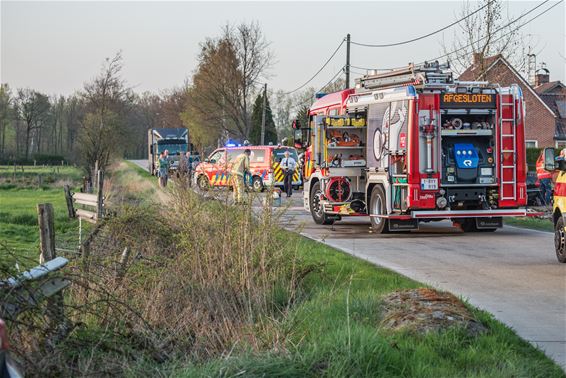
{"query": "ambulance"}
pixel 264 167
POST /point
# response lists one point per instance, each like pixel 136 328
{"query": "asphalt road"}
pixel 512 273
pixel 141 163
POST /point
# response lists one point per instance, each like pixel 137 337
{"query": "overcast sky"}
pixel 55 47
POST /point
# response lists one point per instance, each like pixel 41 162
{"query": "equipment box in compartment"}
pixel 345 142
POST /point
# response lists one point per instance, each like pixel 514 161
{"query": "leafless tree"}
pixel 6 115
pixel 282 106
pixel 106 100
pixel 484 34
pixel 33 111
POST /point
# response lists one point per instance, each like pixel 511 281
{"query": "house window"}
pixel 560 143
pixel 531 143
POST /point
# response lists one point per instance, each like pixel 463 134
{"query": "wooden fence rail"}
pixel 95 202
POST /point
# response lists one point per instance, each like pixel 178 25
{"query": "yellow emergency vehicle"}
pixel 558 165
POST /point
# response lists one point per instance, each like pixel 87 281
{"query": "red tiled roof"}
pixel 474 71
pixel 548 86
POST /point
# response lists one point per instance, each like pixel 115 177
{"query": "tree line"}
pixel 106 118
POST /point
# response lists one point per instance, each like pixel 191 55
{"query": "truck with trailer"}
pixel 414 145
pixel 174 140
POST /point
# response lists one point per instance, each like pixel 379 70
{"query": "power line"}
pixel 331 80
pixel 321 68
pixel 426 35
pixel 503 27
pixel 306 101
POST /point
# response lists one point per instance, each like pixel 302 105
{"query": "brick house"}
pixel 545 106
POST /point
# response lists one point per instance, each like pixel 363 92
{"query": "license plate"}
pixel 429 184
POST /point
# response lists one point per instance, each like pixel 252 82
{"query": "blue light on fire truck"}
pixel 411 91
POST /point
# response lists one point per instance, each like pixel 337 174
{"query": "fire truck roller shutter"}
pixel 378 124
pixel 387 131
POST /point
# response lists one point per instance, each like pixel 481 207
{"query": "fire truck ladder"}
pixel 508 143
pixel 426 75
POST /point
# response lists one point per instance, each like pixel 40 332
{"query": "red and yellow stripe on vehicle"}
pixel 219 179
pixel 278 173
pixel 560 193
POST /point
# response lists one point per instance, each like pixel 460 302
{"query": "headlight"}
pixel 441 202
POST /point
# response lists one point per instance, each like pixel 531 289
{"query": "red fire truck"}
pixel 415 145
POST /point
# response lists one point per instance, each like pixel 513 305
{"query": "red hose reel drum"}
pixel 338 189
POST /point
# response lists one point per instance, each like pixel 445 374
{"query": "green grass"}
pixel 18 213
pixel 334 332
pixel 39 176
pixel 531 223
pixel 136 184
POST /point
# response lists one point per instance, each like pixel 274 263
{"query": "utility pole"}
pixel 263 114
pixel 347 61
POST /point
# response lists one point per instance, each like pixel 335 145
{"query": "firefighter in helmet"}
pixel 240 166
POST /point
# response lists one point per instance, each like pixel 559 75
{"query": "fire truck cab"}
pixel 414 145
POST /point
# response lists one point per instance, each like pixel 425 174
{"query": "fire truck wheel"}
pixel 377 207
pixel 317 211
pixel 203 183
pixel 560 240
pixel 469 225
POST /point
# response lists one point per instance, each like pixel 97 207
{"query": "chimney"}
pixel 477 58
pixel 542 76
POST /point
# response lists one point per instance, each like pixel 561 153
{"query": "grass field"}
pixel 18 208
pixel 35 177
pixel 335 330
pixel 532 223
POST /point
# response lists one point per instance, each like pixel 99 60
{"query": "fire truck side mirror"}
pixel 549 164
pixel 296 124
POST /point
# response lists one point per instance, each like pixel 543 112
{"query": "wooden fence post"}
pixel 46 217
pixel 69 199
pixel 46 232
pixel 100 197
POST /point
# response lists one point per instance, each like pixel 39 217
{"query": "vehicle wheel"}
pixel 316 207
pixel 257 184
pixel 469 225
pixel 203 183
pixel 560 240
pixel 377 206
